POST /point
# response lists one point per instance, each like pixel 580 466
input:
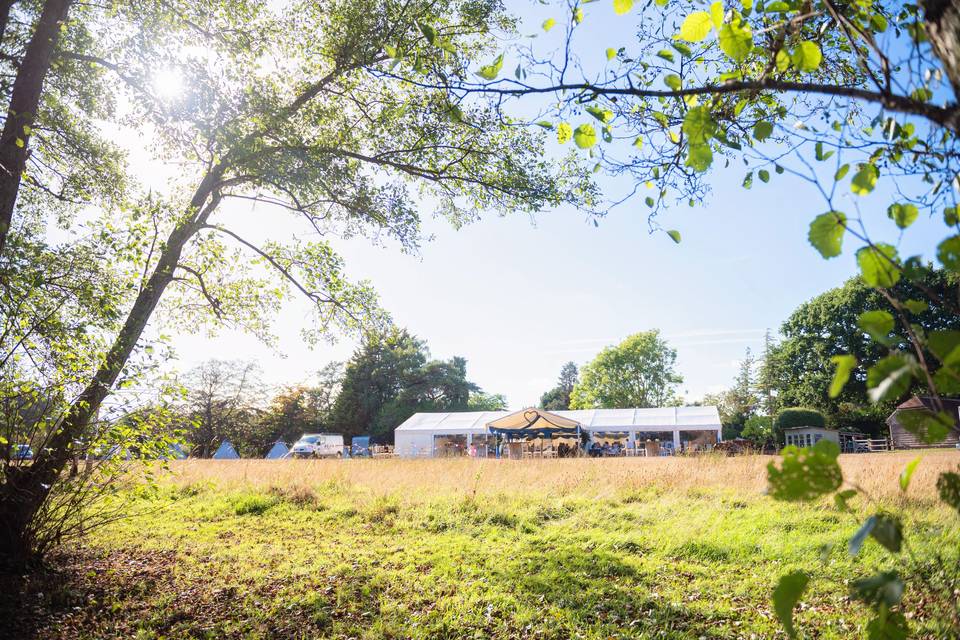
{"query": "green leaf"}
pixel 666 54
pixel 492 70
pixel 564 132
pixel 826 233
pixel 950 216
pixel 764 175
pixel 864 180
pixel 890 377
pixel 928 426
pixel 548 24
pixel 620 7
pixel 877 324
pixel 841 498
pixel 907 473
pixel 578 15
pixel 841 172
pixel 948 486
pixel 736 39
pixel 603 115
pixel 762 130
pixel 699 156
pixel 699 125
pixel 748 180
pixel 585 136
pixel 674 235
pixel 546 124
pixel 884 588
pixel 805 474
pixel 429 32
pixel 879 265
pixel 948 253
pixel 903 214
pixel 786 596
pixel 916 307
pixel 888 531
pixel 716 13
pixel 696 26
pixel 682 49
pixel 844 366
pixel 944 344
pixel 778 7
pixel 783 60
pixel 673 81
pixel 806 56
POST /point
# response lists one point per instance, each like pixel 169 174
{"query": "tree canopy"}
pixel 638 372
pixel 558 398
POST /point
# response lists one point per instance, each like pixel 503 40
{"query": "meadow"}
pixel 458 548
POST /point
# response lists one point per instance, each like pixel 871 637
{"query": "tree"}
pixel 223 400
pixel 639 372
pixel 759 430
pixel 374 376
pixel 829 326
pixel 335 138
pixel 480 401
pixel 558 398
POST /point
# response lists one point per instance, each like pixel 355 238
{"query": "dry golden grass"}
pixel 874 473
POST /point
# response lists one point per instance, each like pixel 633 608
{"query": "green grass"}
pixel 338 560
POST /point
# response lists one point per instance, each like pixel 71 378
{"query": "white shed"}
pixel 424 434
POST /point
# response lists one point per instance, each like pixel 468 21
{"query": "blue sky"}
pixel 519 296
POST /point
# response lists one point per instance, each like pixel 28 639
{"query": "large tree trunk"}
pixel 942 18
pixel 24 102
pixel 23 492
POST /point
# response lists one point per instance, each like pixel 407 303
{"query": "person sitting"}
pixel 606 448
pixel 595 450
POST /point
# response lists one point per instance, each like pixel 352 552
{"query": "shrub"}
pixel 253 504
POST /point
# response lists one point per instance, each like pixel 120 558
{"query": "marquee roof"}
pixel 667 419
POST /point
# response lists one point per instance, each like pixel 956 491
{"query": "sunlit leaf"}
pixel 674 235
pixel 890 377
pixel 826 233
pixel 948 253
pixel 621 7
pixel 877 324
pixel 907 473
pixel 564 132
pixel 548 24
pixel 903 214
pixel 879 265
pixel 585 136
pixel 864 180
pixel 844 366
pixel 805 474
pixel 806 56
pixel 492 70
pixel 696 26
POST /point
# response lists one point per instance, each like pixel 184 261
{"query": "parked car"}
pixel 23 452
pixel 360 447
pixel 318 445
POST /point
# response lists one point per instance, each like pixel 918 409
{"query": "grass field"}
pixel 640 548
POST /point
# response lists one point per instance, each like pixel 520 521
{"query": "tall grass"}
pixel 874 473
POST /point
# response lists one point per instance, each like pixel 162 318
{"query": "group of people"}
pixel 597 450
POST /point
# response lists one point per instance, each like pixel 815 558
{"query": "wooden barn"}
pixel 900 438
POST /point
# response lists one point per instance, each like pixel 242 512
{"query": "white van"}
pixel 318 445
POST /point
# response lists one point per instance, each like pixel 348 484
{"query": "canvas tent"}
pixel 277 451
pixel 428 434
pixel 534 423
pixel 226 452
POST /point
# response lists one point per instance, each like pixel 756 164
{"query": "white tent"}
pixel 226 452
pixel 278 450
pixel 419 434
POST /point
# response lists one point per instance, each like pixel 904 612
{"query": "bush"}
pixel 797 417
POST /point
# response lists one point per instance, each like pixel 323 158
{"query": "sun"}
pixel 168 83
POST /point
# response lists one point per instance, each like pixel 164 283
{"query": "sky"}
pixel 518 296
